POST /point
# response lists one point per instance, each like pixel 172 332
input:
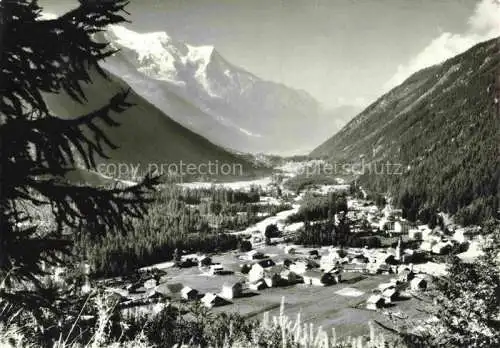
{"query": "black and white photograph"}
pixel 250 173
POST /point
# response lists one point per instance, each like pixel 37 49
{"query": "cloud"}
pixel 483 25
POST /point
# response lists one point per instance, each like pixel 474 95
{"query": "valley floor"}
pixel 341 306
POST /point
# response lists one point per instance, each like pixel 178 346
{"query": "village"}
pixel 344 286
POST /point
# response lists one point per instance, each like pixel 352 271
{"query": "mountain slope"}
pixel 440 129
pixel 146 136
pixel 228 105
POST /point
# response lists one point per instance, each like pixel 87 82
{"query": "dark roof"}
pixel 266 263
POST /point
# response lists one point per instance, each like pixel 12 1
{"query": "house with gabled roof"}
pixel 418 284
pixel 318 278
pixel 405 275
pixel 254 255
pixel 390 295
pixel 232 290
pixel 258 285
pixel 189 293
pixel 375 302
pixel 211 300
pixel 257 271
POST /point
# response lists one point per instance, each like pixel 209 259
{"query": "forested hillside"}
pixel 440 133
pixel 144 137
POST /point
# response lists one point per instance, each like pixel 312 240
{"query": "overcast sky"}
pixel 340 51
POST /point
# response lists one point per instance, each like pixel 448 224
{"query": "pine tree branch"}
pixel 54 136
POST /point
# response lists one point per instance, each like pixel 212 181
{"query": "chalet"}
pixel 204 261
pixel 421 232
pixel 254 255
pixel 387 257
pixel 427 245
pixel 414 234
pixel 406 275
pixel 272 275
pixel 432 235
pixel 188 293
pixel 359 259
pixel 259 285
pixel 333 258
pixel 290 277
pixel 272 278
pixel 211 300
pixel 319 278
pixel 401 227
pixel 418 284
pixel 384 268
pixel 216 269
pixel 301 266
pixel 313 254
pixel 390 211
pixel 257 271
pixel 390 295
pixel 337 253
pixel 411 256
pixel 463 235
pixel 384 286
pixel 150 284
pixel 387 224
pixel 375 302
pixel 442 247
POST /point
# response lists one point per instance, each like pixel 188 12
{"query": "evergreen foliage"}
pixel 38 147
pixel 439 132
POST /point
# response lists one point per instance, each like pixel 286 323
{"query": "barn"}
pixel 188 293
pixel 318 278
pixel 375 302
pixel 231 290
pixel 418 284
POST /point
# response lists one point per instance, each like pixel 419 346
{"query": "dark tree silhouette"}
pixel 270 232
pixel 38 148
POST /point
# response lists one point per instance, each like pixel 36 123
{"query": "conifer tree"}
pixel 38 148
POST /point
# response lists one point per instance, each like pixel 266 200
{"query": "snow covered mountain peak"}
pixel 158 56
pixel 236 108
pixel 200 53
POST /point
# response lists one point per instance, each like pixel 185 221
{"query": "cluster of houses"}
pixel 438 242
pixel 387 293
pixel 150 298
pixel 313 269
pixel 265 273
pixel 365 216
pixel 230 290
